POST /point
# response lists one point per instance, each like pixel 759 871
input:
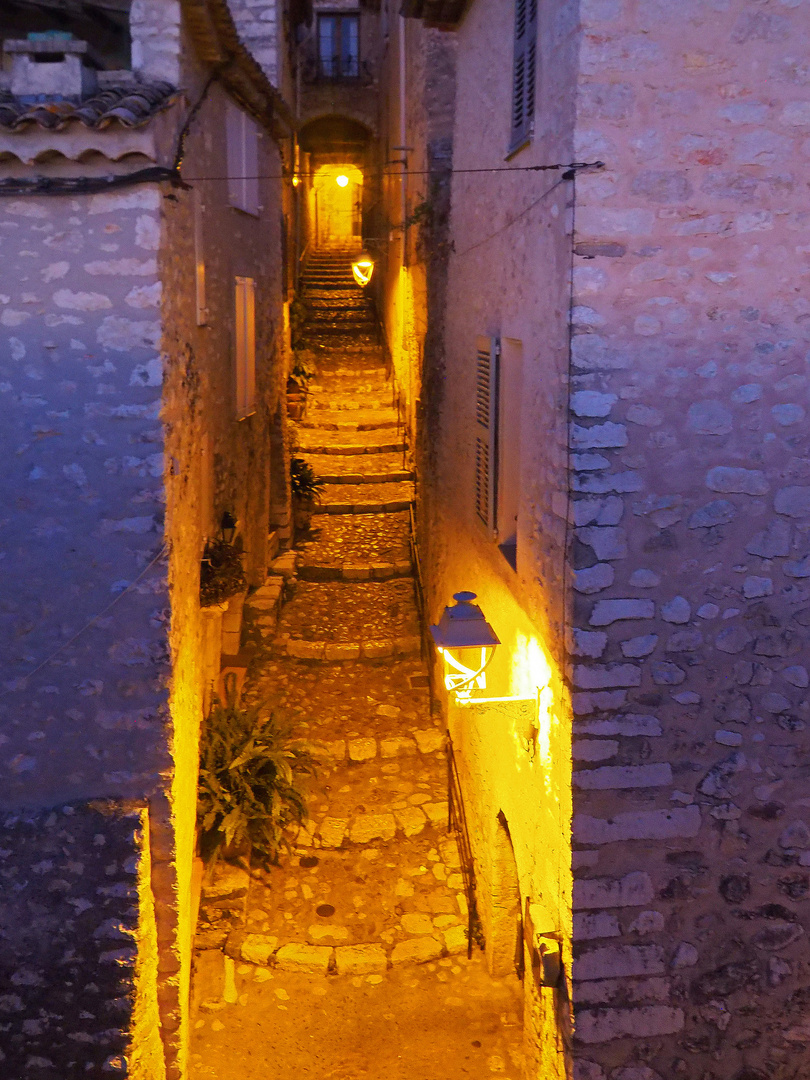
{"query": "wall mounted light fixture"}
pixel 466 643
pixel 363 268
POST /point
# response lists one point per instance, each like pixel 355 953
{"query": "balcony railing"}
pixel 337 69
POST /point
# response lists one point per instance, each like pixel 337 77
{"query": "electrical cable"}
pixel 511 221
pixel 87 625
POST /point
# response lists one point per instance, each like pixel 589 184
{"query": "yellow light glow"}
pixel 296 180
pixel 531 676
pixel 362 269
pixel 342 180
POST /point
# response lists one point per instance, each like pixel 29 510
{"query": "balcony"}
pixel 336 69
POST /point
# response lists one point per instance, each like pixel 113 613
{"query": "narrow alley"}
pixel 349 958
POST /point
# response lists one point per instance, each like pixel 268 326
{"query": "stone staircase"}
pixel 373 878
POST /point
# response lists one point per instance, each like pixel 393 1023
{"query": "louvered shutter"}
pixel 486 429
pixel 251 166
pixel 234 148
pixel 245 347
pixel 524 72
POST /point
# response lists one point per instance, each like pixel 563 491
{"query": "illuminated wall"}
pixel 335 207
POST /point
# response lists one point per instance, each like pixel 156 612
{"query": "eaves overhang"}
pixel 218 45
pixel 444 14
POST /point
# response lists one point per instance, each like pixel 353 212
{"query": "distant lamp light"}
pixel 363 268
pixel 296 180
pixel 466 643
pixel 342 180
pixel 227 527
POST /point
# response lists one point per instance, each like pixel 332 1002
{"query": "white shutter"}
pixel 234 144
pixel 486 430
pixel 524 72
pixel 245 350
pixel 251 166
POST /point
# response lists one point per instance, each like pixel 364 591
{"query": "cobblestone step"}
pixel 406 742
pixel 365 421
pixel 348 443
pixel 356 469
pixel 366 498
pixel 356 539
pixel 345 912
pixel 302 648
pixel 351 614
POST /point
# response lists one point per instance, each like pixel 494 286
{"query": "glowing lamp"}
pixel 342 180
pixel 466 643
pixel 296 180
pixel 227 527
pixel 363 268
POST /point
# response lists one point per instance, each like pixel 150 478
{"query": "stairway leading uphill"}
pixel 370 900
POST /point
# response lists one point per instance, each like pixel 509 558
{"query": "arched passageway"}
pixel 336 207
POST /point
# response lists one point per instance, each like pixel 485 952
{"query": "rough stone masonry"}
pixel 689 442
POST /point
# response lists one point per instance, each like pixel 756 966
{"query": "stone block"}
pixel 602 924
pixel 590 643
pixel 308 959
pixel 305 650
pixel 455 940
pixel 369 827
pixel 665 673
pixel 607 511
pixel 644 579
pixel 754 587
pixel 639 646
pixel 602 1025
pixel 377 649
pixel 594 749
pixel 658 774
pixel 606 612
pixel 341 652
pixel 411 820
pixel 772 542
pixel 631 725
pixel 397 747
pixel 604 676
pixel 608 542
pixel 718 512
pixel 793 501
pixel 436 812
pixel 632 890
pixel 598 437
pixel 429 740
pixel 360 959
pixel 677 610
pixel 417 922
pixel 592 403
pixel 709 418
pixel 619 961
pixel 593 579
pixel 332 831
pixel 258 948
pixel 229 883
pixel 743 481
pixel 417 951
pixel 637 825
pixel 362 749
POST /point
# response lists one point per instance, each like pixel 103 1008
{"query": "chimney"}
pixel 48 67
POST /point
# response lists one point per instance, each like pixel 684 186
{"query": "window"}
pixel 339 46
pixel 245 347
pixel 486 435
pixel 524 73
pixel 242 139
pixel 498 399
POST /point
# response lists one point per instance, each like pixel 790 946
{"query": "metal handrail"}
pixel 457 820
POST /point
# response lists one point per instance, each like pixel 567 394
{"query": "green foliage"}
pixel 221 573
pixel 299 313
pixel 248 788
pixel 304 484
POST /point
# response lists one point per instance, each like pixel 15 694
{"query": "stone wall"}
pixel 257 23
pixel 691 480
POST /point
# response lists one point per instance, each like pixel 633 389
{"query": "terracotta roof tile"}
pixel 131 106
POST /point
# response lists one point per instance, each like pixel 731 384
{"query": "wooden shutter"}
pixel 245 347
pixel 524 72
pixel 233 143
pixel 251 166
pixel 242 141
pixel 486 429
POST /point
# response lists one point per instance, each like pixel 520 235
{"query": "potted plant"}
pixel 303 371
pixel 221 573
pixel 248 784
pixel 306 489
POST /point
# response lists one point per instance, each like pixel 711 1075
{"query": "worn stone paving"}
pixel 361 929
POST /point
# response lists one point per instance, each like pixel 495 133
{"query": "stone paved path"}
pixel 360 932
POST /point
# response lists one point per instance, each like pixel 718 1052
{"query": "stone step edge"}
pixel 391 506
pixel 356 572
pixel 358 751
pixel 369 958
pixel 345 834
pixel 401 476
pixel 353 451
pixel 348 425
pixel 300 649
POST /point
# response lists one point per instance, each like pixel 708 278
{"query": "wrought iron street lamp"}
pixel 466 643
pixel 363 268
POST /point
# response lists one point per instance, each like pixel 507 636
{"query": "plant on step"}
pixel 248 783
pixel 299 313
pixel 303 369
pixel 305 486
pixel 221 573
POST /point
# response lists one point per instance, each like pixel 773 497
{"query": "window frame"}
pixel 339 18
pixel 245 346
pixel 242 137
pixel 523 101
